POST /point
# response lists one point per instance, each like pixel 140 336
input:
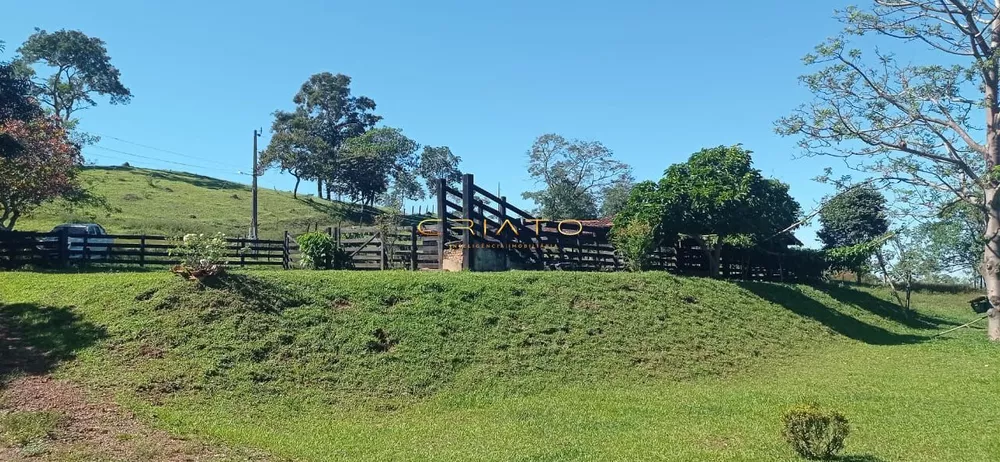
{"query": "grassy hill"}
pixel 174 203
pixel 515 366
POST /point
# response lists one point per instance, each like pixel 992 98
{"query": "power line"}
pixel 166 151
pixel 162 160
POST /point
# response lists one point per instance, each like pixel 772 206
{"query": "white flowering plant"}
pixel 202 256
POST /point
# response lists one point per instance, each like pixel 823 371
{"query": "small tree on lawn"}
pixel 715 197
pixel 43 170
pixel 852 217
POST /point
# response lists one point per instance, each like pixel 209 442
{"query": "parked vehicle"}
pixel 98 244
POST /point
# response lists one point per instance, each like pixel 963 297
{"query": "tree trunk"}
pixel 295 190
pixel 990 269
pixel 712 254
pixel 319 188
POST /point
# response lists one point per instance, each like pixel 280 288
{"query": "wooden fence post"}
pixel 442 220
pixel 86 250
pixel 413 247
pixel 504 242
pixel 243 244
pixel 286 257
pixel 63 247
pixel 381 250
pixel 142 250
pixel 467 213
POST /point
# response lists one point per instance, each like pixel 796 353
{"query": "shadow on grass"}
pixel 883 308
pixel 256 293
pixel 848 326
pixel 35 338
pixel 860 458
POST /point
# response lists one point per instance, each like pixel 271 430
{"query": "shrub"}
pixel 635 242
pixel 815 433
pixel 202 256
pixel 320 252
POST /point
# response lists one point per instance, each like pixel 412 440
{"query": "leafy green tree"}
pixel 43 170
pixel 615 197
pixel 930 128
pixel 439 162
pixel 308 140
pixel 853 216
pixel 294 148
pixel 15 104
pixel 83 70
pixel 955 239
pixel 377 162
pixel 573 175
pixel 716 197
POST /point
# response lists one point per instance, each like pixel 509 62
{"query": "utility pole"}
pixel 253 217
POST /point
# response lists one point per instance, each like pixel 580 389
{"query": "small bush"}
pixel 635 242
pixel 815 433
pixel 203 256
pixel 320 252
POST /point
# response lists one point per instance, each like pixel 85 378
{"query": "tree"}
pixel 716 197
pixel 853 216
pixel 915 124
pixel 294 148
pixel 574 175
pixel 615 197
pixel 15 104
pixel 44 170
pixel 83 70
pixel 333 116
pixel 377 162
pixel 439 162
pixel 955 239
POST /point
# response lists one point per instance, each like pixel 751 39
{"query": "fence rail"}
pixel 61 249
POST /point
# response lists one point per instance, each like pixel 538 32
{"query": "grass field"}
pixel 517 366
pixel 171 203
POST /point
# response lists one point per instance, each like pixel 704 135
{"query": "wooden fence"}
pixel 472 219
pixel 403 248
pixel 60 249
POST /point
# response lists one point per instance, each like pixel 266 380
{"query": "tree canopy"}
pixel 43 170
pixel 575 176
pixel 715 197
pixel 83 70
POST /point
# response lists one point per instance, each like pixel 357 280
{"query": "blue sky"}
pixel 652 80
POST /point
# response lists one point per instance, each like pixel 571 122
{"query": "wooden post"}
pixel 63 247
pixel 142 250
pixel 413 247
pixel 86 250
pixel 243 244
pixel 442 221
pixel 504 241
pixel 381 251
pixel 468 214
pixel 286 260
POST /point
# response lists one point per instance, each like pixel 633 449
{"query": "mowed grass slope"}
pixel 172 203
pixel 517 366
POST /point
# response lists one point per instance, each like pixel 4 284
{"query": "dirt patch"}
pixel 92 428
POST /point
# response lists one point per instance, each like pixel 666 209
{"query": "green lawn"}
pixel 518 366
pixel 175 203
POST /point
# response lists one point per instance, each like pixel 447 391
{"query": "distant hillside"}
pixel 174 203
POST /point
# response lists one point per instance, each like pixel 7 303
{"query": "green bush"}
pixel 320 252
pixel 635 241
pixel 815 433
pixel 201 256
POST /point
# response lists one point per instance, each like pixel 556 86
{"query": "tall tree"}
pixel 716 197
pixel 439 162
pixel 916 124
pixel 615 197
pixel 15 104
pixel 326 114
pixel 854 216
pixel 379 164
pixel 83 70
pixel 573 174
pixel 293 148
pixel 44 169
